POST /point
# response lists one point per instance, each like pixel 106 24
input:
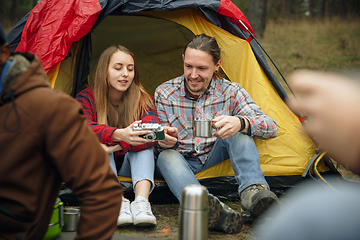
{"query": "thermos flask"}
pixel 193 214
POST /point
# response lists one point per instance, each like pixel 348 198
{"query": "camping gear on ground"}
pixel 193 213
pixel 156 32
pixel 71 219
pixel 56 221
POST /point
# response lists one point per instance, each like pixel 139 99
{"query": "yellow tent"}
pixel 286 155
pixel 157 36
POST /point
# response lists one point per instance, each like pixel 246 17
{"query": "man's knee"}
pixel 168 155
pixel 241 138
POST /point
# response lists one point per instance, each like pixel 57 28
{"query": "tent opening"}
pixel 156 43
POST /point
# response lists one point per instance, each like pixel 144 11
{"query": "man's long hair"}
pixel 207 44
pixel 135 100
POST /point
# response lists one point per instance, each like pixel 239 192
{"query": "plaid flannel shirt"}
pixel 177 109
pixel 87 100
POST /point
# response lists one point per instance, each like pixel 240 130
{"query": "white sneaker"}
pixel 141 212
pixel 125 217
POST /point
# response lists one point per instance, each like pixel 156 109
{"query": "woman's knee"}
pixel 145 155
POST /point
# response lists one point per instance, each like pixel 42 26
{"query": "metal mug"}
pixel 56 222
pixel 193 213
pixel 203 128
pixel 71 219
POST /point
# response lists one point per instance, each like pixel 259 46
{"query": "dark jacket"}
pixel 44 141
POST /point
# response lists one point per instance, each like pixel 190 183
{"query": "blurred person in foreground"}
pixel 323 211
pixel 331 103
pixel 44 141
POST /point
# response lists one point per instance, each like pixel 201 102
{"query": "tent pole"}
pixel 303 114
pixel 252 35
pixel 299 115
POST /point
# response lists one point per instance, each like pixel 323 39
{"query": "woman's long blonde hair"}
pixel 135 100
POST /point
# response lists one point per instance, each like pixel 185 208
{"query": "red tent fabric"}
pixel 227 8
pixel 53 26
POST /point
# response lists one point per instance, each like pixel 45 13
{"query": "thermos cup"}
pixel 71 218
pixel 203 128
pixel 193 214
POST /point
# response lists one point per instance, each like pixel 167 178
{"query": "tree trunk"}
pixel 288 8
pixel 353 7
pixel 14 11
pixel 336 8
pixel 312 8
pixel 3 15
pixel 317 9
pixel 257 16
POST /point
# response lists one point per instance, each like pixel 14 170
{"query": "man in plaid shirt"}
pixel 201 94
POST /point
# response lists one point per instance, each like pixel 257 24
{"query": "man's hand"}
pixel 129 135
pixel 227 126
pixel 170 137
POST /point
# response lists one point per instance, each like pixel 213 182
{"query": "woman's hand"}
pixel 129 135
pixel 170 137
pixel 111 149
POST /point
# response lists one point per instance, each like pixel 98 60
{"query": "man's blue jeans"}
pixel 137 165
pixel 178 172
